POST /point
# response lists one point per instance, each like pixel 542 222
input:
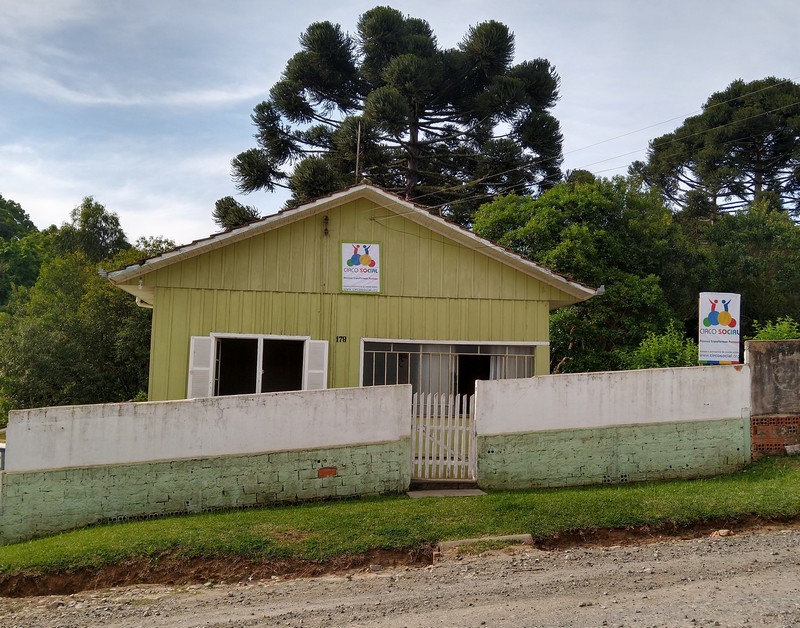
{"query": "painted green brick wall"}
pixel 36 503
pixel 613 454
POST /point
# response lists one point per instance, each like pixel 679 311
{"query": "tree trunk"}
pixel 412 176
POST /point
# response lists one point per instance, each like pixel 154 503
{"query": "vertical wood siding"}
pixel 287 282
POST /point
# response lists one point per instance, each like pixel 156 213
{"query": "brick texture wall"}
pixel 771 433
pixel 611 455
pixel 35 503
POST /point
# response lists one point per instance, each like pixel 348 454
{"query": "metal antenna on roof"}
pixel 358 149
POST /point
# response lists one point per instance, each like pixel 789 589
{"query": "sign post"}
pixel 718 337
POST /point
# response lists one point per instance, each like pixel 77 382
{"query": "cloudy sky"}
pixel 143 103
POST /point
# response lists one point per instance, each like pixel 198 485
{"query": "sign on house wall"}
pixel 361 267
pixel 718 337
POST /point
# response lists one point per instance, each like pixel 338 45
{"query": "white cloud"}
pixel 21 20
pixel 166 191
pixel 45 87
pixel 93 53
pixel 143 104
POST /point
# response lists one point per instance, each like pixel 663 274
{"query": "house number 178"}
pixel 341 338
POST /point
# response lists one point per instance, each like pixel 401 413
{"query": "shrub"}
pixel 785 328
pixel 670 348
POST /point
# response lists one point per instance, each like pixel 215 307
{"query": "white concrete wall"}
pixel 76 436
pixel 587 400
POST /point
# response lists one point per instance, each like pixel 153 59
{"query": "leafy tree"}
pixel 72 338
pixel 589 231
pixel 14 222
pixel 229 213
pixel 785 328
pixel 595 231
pixel 93 231
pixel 661 350
pixel 744 146
pixel 601 232
pixel 19 254
pixel 149 246
pixel 446 127
pixel 592 336
pixel 21 258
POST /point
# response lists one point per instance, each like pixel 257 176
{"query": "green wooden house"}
pixel 358 288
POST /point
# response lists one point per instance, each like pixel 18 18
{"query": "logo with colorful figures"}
pixel 361 259
pixel 361 267
pixel 716 318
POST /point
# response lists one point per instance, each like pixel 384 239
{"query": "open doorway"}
pixel 470 368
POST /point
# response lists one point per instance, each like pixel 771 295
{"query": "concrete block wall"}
pixel 40 502
pixel 584 400
pixel 592 428
pixel 115 433
pixel 611 455
pixel 775 395
pixel 775 368
pixel 73 466
pixel 76 466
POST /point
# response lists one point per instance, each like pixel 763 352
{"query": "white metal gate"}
pixel 443 444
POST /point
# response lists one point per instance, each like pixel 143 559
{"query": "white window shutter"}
pixel 201 360
pixel 315 365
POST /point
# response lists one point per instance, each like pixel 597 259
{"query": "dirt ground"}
pixel 747 578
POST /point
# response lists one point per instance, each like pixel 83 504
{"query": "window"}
pixel 441 367
pixel 237 365
pixel 230 364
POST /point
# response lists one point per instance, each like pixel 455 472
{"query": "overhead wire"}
pixel 682 117
pixel 484 195
pixel 546 159
pixel 543 160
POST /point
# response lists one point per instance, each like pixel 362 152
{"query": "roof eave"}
pixel 225 238
pixel 381 198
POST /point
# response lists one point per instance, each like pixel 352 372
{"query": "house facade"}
pixel 358 288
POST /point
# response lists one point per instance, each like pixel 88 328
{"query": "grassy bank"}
pixel 323 530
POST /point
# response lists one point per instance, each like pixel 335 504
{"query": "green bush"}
pixel 785 328
pixel 5 406
pixel 671 348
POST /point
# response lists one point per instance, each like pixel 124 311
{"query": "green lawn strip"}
pixel 322 530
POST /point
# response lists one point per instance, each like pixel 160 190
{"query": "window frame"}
pixel 479 343
pixel 312 378
pixel 259 355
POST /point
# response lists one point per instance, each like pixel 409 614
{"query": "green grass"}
pixel 323 530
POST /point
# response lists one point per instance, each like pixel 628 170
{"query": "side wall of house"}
pixel 288 282
pixel 593 428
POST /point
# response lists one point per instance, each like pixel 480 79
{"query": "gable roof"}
pixel 383 199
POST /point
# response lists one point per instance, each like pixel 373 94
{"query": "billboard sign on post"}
pixel 718 337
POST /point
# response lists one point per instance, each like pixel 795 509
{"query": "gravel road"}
pixel 738 580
